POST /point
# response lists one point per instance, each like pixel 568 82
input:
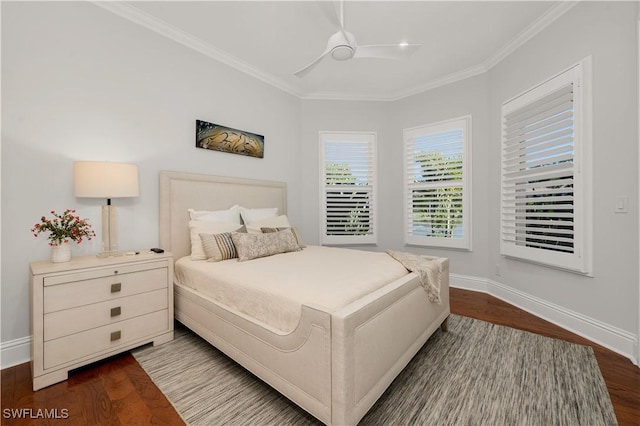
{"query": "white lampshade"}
pixel 101 179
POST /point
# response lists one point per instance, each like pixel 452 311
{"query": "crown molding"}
pixel 396 96
pixel 161 27
pixel 343 96
pixel 527 34
pixel 443 81
pixel 536 27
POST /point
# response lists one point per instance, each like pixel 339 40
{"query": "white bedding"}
pixel 272 289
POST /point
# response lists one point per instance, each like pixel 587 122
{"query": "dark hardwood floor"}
pixel 118 392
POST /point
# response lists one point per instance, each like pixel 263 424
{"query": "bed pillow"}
pixel 218 247
pixel 231 215
pixel 294 230
pixel 197 227
pixel 253 215
pixel 281 221
pixel 253 246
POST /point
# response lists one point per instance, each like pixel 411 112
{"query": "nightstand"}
pixel 90 308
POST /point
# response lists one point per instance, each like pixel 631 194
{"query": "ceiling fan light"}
pixel 342 52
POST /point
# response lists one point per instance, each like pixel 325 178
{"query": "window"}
pixel 437 184
pixel 546 172
pixel 348 179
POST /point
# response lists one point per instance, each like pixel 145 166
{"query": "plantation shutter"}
pixel 436 184
pixel 542 201
pixel 348 162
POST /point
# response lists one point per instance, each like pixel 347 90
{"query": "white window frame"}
pixel 464 242
pixel 336 138
pixel 581 259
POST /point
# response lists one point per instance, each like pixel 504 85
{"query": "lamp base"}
pixel 109 230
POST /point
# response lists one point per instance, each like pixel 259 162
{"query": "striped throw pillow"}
pixel 218 247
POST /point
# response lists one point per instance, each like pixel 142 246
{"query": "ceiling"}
pixel 273 39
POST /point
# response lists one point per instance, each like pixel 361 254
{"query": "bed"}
pixel 334 363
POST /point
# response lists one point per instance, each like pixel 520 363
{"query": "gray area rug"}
pixel 477 373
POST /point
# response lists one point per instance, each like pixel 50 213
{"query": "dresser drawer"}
pixel 90 342
pixel 88 274
pixel 62 323
pixel 94 290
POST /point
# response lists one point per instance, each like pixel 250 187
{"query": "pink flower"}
pixel 64 227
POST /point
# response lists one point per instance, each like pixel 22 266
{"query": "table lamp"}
pixel 101 179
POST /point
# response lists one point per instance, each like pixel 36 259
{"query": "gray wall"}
pixel 607 32
pixel 337 116
pixel 79 83
pixel 466 97
pixel 388 119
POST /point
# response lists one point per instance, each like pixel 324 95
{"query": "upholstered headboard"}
pixel 182 191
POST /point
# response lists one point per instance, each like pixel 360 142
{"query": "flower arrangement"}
pixel 64 227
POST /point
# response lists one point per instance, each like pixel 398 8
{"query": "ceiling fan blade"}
pixel 331 10
pixel 386 51
pixel 334 11
pixel 304 71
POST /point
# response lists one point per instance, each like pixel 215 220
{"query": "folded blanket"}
pixel 428 269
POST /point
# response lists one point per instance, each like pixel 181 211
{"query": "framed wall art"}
pixel 225 139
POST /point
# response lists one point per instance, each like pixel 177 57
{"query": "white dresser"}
pixel 90 308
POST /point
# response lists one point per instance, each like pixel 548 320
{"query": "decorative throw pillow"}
pixel 281 221
pixel 252 246
pixel 294 230
pixel 231 215
pixel 253 215
pixel 197 227
pixel 218 247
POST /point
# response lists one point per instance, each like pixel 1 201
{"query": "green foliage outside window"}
pixel 349 210
pixel 437 210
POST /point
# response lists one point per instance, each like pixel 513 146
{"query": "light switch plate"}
pixel 622 204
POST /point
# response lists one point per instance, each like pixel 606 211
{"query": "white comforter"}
pixel 273 289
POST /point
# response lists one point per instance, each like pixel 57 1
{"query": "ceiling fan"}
pixel 342 45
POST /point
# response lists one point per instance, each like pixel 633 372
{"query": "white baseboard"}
pixel 613 338
pixel 18 351
pixel 15 352
pixel 466 282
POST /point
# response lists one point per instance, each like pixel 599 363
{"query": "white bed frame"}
pixel 335 366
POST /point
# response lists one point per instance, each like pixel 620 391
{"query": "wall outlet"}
pixel 497 270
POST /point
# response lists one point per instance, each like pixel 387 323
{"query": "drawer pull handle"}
pixel 116 311
pixel 116 287
pixel 116 335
